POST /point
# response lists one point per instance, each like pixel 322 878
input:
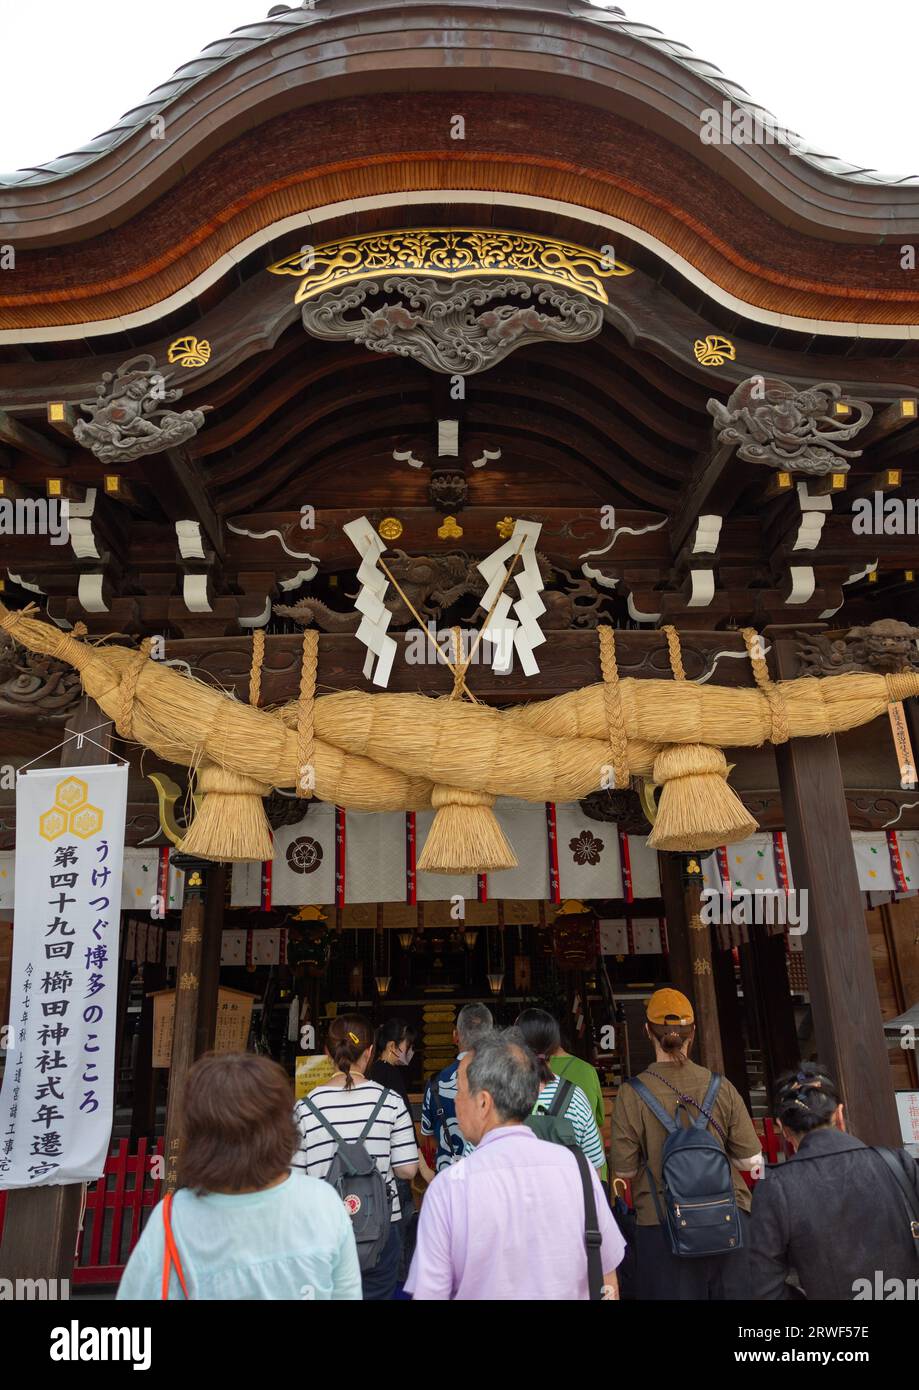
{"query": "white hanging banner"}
pixel 588 855
pixel 58 1087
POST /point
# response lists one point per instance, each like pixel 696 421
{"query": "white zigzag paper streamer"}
pixel 522 633
pixel 375 616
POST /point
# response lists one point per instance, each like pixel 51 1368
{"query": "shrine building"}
pixel 462 459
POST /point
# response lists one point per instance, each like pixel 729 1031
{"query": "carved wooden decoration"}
pixel 797 431
pixel 886 646
pixel 464 327
pixel 435 583
pixel 128 419
pixel 37 686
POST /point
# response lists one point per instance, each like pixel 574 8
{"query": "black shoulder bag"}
pixel 593 1238
pixel 907 1190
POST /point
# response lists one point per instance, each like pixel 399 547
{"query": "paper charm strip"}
pixel 375 616
pixel 521 633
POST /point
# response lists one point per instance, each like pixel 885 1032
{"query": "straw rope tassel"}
pixel 697 808
pixel 231 819
pixel 465 836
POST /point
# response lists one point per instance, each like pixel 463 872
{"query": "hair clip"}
pixel 355 1039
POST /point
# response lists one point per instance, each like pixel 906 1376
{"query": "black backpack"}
pixel 361 1186
pixel 698 1181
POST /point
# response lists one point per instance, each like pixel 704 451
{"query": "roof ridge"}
pixel 703 67
pixel 284 18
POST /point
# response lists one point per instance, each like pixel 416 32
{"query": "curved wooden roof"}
pixel 345 108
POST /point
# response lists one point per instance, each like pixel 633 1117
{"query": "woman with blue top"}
pixel 242 1225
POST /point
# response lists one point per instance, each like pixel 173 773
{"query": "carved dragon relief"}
pixel 435 583
pixel 465 326
pixel 36 685
pixel 797 431
pixel 886 646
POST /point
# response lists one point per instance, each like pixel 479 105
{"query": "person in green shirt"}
pixel 543 1036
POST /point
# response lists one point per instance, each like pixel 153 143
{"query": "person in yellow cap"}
pixel 637 1150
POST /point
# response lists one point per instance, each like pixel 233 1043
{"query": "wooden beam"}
pixel 183 497
pixel 708 475
pixel 62 417
pixel 894 417
pixel 847 1017
pixel 567 660
pixel 13 431
pixel 887 480
pixel 829 484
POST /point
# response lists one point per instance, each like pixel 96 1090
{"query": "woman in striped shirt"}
pixel 577 1110
pixel 540 1033
pixel 346 1102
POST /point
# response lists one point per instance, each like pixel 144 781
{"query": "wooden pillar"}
pixel 215 903
pixel 708 1030
pixel 691 952
pixel 199 876
pixel 144 1078
pixel 732 1042
pixel 681 977
pixel 847 1016
pixel 771 998
pixel 42 1223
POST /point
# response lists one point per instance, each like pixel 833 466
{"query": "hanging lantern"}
pixel 470 938
pixel 405 940
pixel 495 981
pixel 382 983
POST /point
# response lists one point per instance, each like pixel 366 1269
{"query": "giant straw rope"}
pixel 390 752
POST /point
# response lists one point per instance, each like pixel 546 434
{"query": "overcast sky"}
pixel 840 73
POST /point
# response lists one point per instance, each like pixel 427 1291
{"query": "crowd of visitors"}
pixel 314 1200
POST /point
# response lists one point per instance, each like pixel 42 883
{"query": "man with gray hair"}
pixel 438 1108
pixel 510 1221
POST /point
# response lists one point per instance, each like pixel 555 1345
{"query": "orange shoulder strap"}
pixel 170 1253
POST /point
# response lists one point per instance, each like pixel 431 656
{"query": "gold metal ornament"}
pixel 648 799
pixel 451 530
pixel 190 351
pixel 505 527
pixel 390 528
pixel 167 794
pixel 452 253
pixel 714 350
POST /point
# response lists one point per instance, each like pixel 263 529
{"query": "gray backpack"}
pixel 361 1186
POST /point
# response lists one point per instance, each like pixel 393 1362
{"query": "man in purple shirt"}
pixel 507 1222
